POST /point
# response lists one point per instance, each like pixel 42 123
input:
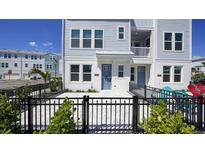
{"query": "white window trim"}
pixel 98 38
pixel 170 74
pixel 181 78
pixel 70 39
pixel 87 73
pixel 120 32
pixel 121 71
pixel 91 45
pixel 76 73
pixel 173 41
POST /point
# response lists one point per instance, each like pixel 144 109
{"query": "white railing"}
pixel 141 51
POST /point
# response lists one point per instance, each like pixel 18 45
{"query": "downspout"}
pixel 63 50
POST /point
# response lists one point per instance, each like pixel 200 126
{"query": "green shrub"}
pixel 62 122
pixel 9 120
pixel 91 90
pixel 198 76
pixel 22 92
pixel 80 91
pixel 55 83
pixel 161 122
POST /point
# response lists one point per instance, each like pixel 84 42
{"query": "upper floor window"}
pixel 15 56
pixel 87 72
pixel 75 38
pixel 167 41
pixel 31 56
pixel 15 64
pixel 121 33
pixel 5 56
pixel 98 38
pixel 178 41
pixel 9 55
pixel 121 71
pixel 34 65
pixel 166 73
pixel 177 73
pixel 39 57
pixel 26 65
pixel 35 57
pixel 173 41
pixel 40 65
pixel 7 65
pixel 86 38
pixel 74 73
pixel 26 56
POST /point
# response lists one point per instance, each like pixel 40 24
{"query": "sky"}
pixel 45 35
pixel 34 35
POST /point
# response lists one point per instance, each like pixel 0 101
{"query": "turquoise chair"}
pixel 166 92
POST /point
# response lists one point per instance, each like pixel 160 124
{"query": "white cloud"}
pixel 47 44
pixel 33 44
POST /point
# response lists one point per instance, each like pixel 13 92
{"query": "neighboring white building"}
pixel 197 63
pixel 19 63
pixel 110 54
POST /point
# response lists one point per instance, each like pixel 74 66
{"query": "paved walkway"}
pixel 105 93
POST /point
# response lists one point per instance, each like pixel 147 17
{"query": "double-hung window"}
pixel 87 38
pixel 121 33
pixel 26 65
pixel 132 74
pixel 98 38
pixel 74 73
pixel 178 41
pixel 177 73
pixel 120 71
pixel 75 38
pixel 87 72
pixel 7 65
pixel 15 64
pixel 167 41
pixel 166 73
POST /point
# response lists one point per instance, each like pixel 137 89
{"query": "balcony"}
pixel 141 51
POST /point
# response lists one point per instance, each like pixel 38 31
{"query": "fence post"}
pixel 135 114
pixel 199 112
pixel 39 90
pixel 84 115
pixel 87 115
pixel 145 91
pixel 30 115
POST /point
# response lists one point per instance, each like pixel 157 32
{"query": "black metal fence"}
pixel 105 115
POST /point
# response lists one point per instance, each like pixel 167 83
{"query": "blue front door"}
pixel 106 76
pixel 141 76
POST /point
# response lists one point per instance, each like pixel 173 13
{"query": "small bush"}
pixel 62 122
pixel 161 122
pixel 80 91
pixel 23 92
pixel 198 76
pixel 91 90
pixel 55 83
pixel 9 120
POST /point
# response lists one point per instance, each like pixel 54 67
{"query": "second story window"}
pixel 15 65
pixel 167 41
pixel 26 56
pixel 98 38
pixel 121 33
pixel 15 56
pixel 40 65
pixel 86 38
pixel 178 41
pixel 26 65
pixel 75 38
pixel 32 57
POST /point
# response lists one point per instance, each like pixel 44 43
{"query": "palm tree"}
pixel 45 75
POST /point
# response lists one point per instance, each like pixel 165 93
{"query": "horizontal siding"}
pixel 178 25
pixel 110 36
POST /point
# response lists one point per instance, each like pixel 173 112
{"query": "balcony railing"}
pixel 141 51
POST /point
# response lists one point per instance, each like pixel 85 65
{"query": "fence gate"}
pixel 109 115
